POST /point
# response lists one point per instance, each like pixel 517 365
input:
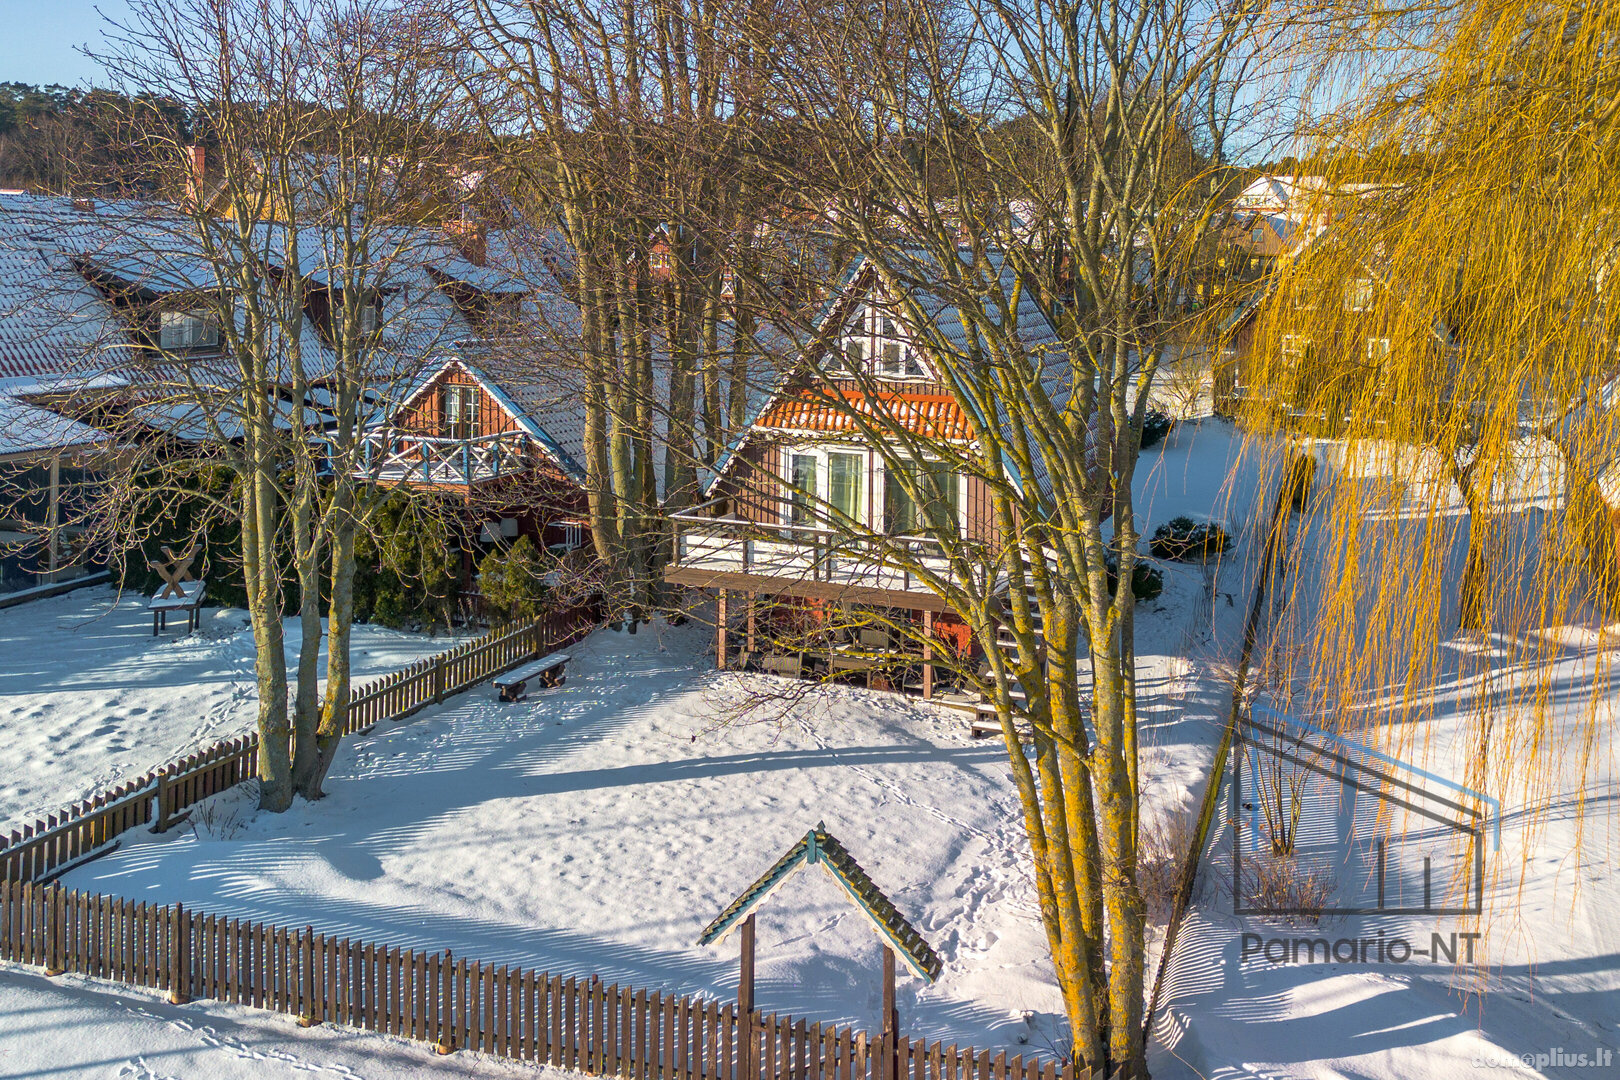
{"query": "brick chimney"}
pixel 471 239
pixel 197 155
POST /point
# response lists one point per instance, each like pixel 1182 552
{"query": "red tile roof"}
pixel 934 416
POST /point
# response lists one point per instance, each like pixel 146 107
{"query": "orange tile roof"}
pixel 934 416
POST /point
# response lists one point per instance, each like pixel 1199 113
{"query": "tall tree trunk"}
pixel 339 671
pixel 261 574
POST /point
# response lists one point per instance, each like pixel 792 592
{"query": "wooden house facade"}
pixel 807 513
pixel 500 446
pixel 1319 336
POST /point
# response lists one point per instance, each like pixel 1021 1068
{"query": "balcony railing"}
pixel 394 454
pixel 804 553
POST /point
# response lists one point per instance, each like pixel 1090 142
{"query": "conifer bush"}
pixel 512 582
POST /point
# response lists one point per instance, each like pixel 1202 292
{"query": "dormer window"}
pixel 180 331
pixel 369 318
pixel 490 312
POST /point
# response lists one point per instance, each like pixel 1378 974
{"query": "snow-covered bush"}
pixel 1187 540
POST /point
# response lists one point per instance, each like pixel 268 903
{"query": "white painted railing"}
pixel 400 455
pixel 804 553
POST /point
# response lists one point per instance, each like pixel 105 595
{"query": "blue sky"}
pixel 39 39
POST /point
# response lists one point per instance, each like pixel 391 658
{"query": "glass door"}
pixel 844 474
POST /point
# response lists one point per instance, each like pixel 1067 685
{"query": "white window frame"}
pixel 467 420
pixel 874 479
pixel 1293 346
pixel 201 330
pixel 879 497
pixel 821 506
pixel 1378 349
pixel 874 331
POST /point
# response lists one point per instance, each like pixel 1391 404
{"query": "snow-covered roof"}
pixel 28 429
pixel 62 260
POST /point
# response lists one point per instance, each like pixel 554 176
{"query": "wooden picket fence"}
pixel 433 997
pixel 52 846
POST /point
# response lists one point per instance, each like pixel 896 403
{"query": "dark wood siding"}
pixel 977 511
pixel 425 414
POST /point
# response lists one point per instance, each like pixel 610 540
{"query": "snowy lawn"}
pixel 89 697
pixel 598 827
pixel 80 1029
pixel 1548 961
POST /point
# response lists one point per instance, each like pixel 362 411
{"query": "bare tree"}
pixel 259 300
pixel 631 127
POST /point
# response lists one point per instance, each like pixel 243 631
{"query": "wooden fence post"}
pixel 889 1060
pixel 447 1012
pixel 310 1014
pixel 745 1004
pixel 180 957
pixel 438 680
pixel 52 919
pixel 162 813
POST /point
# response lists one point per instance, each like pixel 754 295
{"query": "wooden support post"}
pixel 753 599
pixel 928 654
pixel 720 632
pixel 746 1068
pixel 891 1025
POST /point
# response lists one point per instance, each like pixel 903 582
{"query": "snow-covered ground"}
pixel 80 1029
pixel 88 696
pixel 1548 959
pixel 598 827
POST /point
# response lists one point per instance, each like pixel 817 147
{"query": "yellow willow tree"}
pixel 1444 342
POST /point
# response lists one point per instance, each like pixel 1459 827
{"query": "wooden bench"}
pixel 550 670
pixel 189 601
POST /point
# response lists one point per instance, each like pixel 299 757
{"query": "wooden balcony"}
pixel 804 561
pixel 394 455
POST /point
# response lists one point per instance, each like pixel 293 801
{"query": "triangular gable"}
pixel 818 847
pixel 857 281
pixel 835 306
pixel 519 415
